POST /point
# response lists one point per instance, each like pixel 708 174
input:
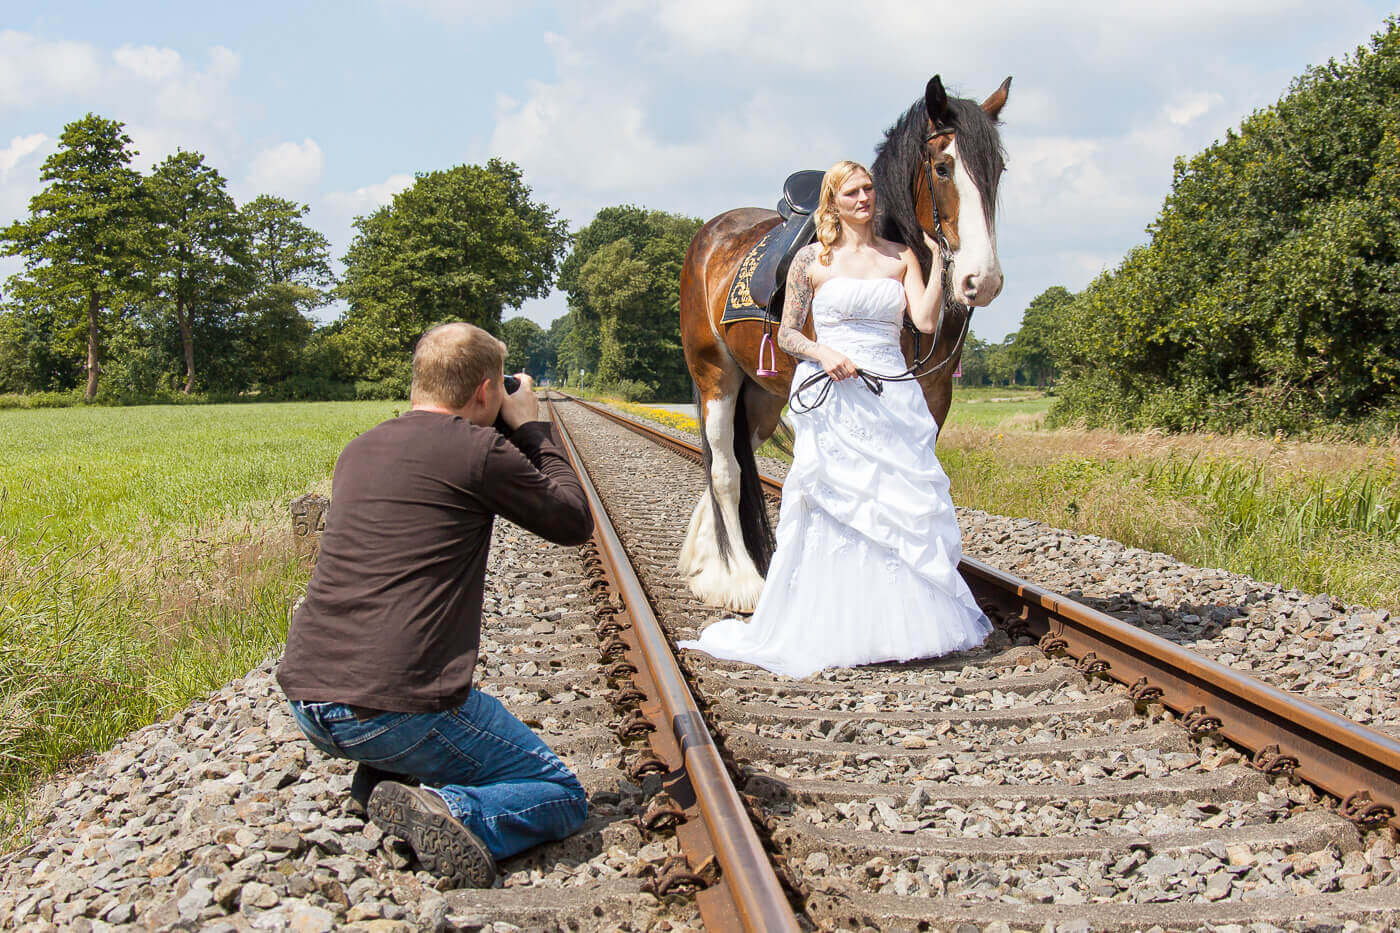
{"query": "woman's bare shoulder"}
pixel 894 250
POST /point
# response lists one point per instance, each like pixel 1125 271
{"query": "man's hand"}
pixel 522 405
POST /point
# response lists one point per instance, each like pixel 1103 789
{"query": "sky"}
pixel 680 106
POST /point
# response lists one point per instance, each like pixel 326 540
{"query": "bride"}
pixel 867 544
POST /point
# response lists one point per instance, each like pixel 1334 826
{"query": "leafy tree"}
pixel 1269 295
pixel 199 253
pixel 458 245
pixel 290 266
pixel 973 362
pixel 528 347
pixel 560 330
pixel 82 239
pixel 1030 353
pixel 623 283
pixel 42 338
pixel 1001 362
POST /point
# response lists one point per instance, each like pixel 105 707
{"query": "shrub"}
pixel 390 389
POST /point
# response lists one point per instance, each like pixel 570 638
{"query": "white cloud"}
pixel 19 178
pixel 148 62
pixel 289 169
pixel 19 150
pixel 165 99
pixel 366 200
pixel 589 139
pixel 34 70
pixel 1187 108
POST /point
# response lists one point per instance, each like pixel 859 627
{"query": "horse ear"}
pixel 936 102
pixel 992 105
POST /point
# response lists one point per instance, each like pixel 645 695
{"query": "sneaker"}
pixel 366 778
pixel 443 845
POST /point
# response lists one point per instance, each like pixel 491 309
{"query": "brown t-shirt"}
pixel 392 616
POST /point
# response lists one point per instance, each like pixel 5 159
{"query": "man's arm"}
pixel 528 480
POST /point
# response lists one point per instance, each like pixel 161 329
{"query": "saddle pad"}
pixel 741 305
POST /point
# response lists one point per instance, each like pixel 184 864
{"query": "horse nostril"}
pixel 969 287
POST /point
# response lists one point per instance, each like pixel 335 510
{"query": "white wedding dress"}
pixel 868 544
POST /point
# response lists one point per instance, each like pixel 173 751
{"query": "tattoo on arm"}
pixel 797 307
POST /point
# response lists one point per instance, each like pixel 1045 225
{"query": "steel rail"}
pixel 757 895
pixel 1282 732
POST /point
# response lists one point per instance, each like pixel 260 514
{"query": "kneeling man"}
pixel 379 660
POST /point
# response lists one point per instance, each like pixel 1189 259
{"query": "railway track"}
pixel 1074 772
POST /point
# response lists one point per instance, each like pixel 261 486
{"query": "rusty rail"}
pixel 1282 732
pixel 749 896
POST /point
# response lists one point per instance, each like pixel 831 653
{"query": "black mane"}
pixel 901 157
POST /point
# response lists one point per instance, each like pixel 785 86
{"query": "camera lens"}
pixel 512 383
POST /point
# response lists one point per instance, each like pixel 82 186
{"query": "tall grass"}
pixel 1321 517
pixel 145 559
pixel 1333 531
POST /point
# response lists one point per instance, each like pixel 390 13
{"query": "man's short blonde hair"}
pixel 451 361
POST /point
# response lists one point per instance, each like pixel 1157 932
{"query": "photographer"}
pixel 379 659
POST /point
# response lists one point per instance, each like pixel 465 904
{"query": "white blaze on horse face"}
pixel 976 268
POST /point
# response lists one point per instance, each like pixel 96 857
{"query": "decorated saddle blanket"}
pixel 756 294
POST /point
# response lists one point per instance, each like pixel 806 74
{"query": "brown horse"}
pixel 949 143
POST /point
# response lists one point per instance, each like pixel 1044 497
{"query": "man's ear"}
pixel 482 392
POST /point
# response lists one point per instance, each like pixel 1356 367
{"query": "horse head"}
pixel 948 146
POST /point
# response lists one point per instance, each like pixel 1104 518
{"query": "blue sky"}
pixel 674 105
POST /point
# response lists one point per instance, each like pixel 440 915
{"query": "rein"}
pixel 874 381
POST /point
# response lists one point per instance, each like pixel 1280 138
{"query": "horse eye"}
pixel 943 171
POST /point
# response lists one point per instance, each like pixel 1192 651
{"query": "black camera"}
pixel 512 384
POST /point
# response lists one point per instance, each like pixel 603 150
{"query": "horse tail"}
pixel 753 508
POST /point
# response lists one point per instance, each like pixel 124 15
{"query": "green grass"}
pixel 992 407
pixel 71 475
pixel 145 559
pixel 1321 517
pixel 1330 532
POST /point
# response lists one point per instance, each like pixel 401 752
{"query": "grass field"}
pixel 1322 517
pixel 145 559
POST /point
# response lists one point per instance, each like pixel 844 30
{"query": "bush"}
pixel 42 399
pixel 628 390
pixel 305 388
pixel 391 389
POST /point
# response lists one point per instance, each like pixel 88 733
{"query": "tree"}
pixel 199 253
pixel 1030 352
pixel 1269 295
pixel 973 363
pixel 528 347
pixel 560 330
pixel 291 271
pixel 82 238
pixel 458 245
pixel 623 283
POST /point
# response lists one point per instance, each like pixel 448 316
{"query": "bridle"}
pixel 875 381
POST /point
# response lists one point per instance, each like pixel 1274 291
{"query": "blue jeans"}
pixel 496 776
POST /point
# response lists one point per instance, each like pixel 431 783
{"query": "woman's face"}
pixel 855 200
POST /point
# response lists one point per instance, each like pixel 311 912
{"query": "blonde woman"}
pixel 868 544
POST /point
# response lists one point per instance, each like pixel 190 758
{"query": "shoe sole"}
pixel 443 845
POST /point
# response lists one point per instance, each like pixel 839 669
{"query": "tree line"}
pixel 159 287
pixel 154 283
pixel 1268 296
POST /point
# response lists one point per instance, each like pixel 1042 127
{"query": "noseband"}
pixel 875 381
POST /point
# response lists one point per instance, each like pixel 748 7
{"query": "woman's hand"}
pixel 837 365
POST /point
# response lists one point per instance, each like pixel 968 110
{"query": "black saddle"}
pixel 757 290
